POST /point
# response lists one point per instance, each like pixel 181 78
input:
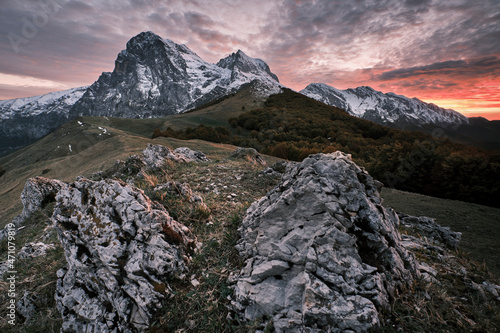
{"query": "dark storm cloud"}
pixel 386 33
pixel 474 67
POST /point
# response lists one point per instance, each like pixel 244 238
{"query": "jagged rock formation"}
pixel 192 155
pixel 25 120
pixel 427 226
pixel 37 193
pixel 120 247
pixel 385 109
pixel 249 154
pixel 155 77
pixel 322 254
pixel 155 156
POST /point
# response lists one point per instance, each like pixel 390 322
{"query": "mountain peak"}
pixel 155 77
pixel 242 63
pixel 144 38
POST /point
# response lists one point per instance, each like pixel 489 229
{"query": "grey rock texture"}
pixel 193 155
pixel 120 248
pixel 155 156
pixel 34 249
pixel 427 226
pixel 322 254
pixel 249 154
pixel 26 305
pixel 37 193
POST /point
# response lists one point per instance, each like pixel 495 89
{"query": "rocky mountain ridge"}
pixel 153 77
pixel 386 109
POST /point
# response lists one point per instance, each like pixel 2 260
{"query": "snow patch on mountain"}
pixel 155 77
pixel 59 101
pixel 385 109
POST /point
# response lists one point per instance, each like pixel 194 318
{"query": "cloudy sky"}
pixel 441 51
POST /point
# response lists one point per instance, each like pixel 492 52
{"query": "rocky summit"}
pixel 155 77
pixel 321 252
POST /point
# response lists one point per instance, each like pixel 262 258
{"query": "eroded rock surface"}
pixel 37 193
pixel 192 155
pixel 120 248
pixel 155 156
pixel 322 254
pixel 427 226
pixel 249 154
pixel 34 249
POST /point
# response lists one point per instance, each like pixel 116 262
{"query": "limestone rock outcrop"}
pixel 34 249
pixel 192 155
pixel 322 254
pixel 249 154
pixel 120 248
pixel 155 156
pixel 37 193
pixel 427 226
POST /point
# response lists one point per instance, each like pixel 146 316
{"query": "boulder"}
pixel 192 155
pixel 120 249
pixel 155 156
pixel 249 154
pixel 34 249
pixel 321 252
pixel 427 226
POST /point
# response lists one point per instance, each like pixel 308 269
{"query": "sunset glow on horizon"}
pixel 444 52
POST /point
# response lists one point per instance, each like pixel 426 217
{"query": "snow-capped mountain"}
pixel 386 109
pixel 155 77
pixel 59 101
pixel 24 120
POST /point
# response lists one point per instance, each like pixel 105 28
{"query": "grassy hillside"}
pixel 97 143
pixel 292 126
pixel 479 225
pixel 228 188
pixel 92 150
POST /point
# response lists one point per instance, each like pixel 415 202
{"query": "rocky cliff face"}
pixel 322 254
pixel 153 77
pixel 156 77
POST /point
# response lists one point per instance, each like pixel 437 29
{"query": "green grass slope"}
pixel 479 225
pixel 92 150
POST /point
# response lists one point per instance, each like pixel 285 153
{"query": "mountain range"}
pixel 384 109
pixel 155 77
